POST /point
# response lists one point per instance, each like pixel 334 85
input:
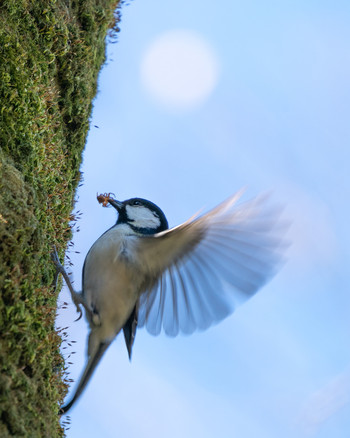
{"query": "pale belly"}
pixel 111 283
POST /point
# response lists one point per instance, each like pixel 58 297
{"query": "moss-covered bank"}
pixel 50 54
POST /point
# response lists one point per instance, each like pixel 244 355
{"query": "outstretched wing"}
pixel 206 266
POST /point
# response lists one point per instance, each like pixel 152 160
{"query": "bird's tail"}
pixel 89 369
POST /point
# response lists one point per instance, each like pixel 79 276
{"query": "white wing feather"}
pixel 206 266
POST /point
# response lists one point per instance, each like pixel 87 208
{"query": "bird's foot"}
pixel 76 297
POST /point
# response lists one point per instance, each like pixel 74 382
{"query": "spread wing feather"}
pixel 208 265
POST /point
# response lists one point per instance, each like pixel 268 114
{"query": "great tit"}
pixel 140 273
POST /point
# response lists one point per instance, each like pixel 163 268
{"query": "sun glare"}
pixel 179 69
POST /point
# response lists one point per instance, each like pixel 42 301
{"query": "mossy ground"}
pixel 50 54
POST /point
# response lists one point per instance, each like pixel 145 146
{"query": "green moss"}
pixel 50 55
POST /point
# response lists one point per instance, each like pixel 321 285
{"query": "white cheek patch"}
pixel 142 217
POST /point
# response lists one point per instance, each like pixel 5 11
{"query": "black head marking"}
pixel 157 212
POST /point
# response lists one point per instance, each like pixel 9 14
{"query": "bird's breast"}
pixel 111 257
pixel 112 280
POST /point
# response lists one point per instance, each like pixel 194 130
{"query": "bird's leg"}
pixel 76 296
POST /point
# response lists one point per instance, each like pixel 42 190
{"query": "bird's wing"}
pixel 208 265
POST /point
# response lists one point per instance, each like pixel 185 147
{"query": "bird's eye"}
pixel 136 203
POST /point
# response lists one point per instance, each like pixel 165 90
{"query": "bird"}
pixel 139 273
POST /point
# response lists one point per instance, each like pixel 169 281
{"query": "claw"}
pixel 54 256
pixel 59 267
pixel 80 314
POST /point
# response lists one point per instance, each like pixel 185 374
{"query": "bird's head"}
pixel 141 215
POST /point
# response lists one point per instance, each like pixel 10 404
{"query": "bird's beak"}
pixel 116 204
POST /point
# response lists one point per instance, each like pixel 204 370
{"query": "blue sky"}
pixel 275 117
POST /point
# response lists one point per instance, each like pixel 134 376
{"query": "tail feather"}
pixel 89 369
